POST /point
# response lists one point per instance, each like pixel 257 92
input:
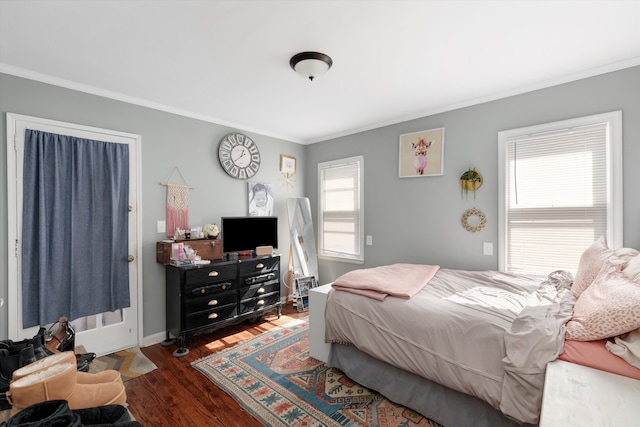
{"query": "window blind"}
pixel 556 197
pixel 340 209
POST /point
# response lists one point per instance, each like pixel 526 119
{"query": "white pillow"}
pixel 625 254
pixel 632 269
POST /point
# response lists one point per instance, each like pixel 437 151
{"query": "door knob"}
pixel 130 258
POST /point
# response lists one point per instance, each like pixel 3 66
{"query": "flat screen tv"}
pixel 248 232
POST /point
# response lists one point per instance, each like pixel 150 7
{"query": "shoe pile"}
pixel 38 371
pixel 14 355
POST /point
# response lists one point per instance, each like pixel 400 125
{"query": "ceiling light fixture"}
pixel 310 64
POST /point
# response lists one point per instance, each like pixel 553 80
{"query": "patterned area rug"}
pixel 130 363
pixel 273 377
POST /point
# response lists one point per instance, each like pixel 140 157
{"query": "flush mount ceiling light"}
pixel 310 64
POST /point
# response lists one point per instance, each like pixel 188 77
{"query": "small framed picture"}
pixel 303 284
pixel 287 164
pixel 421 153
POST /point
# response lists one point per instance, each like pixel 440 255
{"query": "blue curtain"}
pixel 74 227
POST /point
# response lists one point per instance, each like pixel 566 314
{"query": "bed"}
pixel 468 347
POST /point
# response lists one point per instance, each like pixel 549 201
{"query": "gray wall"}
pixel 168 141
pixel 418 219
pixel 410 219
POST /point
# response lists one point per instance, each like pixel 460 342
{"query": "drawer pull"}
pixel 203 290
pixel 224 286
pixel 251 280
pixel 213 273
pixel 213 302
pixel 260 302
pixel 260 291
pixel 213 315
pixel 260 265
pixel 271 276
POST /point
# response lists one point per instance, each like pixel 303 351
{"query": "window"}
pixel 560 190
pixel 341 213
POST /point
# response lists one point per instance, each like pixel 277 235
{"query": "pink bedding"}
pixel 594 354
pixel 398 280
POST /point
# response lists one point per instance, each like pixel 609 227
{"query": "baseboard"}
pixel 154 339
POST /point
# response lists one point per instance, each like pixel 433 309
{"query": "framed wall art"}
pixel 421 154
pixel 260 199
pixel 287 164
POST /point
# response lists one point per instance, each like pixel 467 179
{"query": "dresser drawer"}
pixel 210 289
pixel 254 267
pixel 259 290
pixel 256 304
pixel 209 301
pixel 260 278
pixel 217 273
pixel 201 319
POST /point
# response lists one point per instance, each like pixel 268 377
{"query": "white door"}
pixel 106 332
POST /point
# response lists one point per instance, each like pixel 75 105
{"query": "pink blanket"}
pixel 398 280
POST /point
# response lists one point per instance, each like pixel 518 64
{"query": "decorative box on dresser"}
pixel 201 298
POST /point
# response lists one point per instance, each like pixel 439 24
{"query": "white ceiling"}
pixel 228 61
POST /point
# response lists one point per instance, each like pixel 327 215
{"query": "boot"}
pixel 39 349
pixel 106 376
pixel 63 338
pixel 55 412
pixel 49 348
pixel 10 361
pixel 48 413
pixel 60 382
pixel 107 415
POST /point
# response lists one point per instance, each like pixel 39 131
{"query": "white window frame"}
pixel 356 258
pixel 614 233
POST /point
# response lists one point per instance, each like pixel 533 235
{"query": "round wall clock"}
pixel 239 156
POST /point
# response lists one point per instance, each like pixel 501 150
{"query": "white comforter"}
pixel 487 334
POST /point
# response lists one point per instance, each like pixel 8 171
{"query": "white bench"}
pixel 318 349
pixel 575 395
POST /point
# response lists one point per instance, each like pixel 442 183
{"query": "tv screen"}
pixel 247 233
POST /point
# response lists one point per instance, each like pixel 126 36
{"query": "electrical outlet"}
pixel 161 227
pixel 369 240
pixel 487 248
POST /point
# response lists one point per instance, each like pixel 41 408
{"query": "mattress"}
pixel 594 354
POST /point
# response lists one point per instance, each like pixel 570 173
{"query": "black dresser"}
pixel 201 298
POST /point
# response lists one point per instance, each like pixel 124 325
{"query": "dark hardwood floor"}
pixel 176 394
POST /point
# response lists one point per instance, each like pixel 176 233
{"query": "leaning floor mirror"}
pixel 303 247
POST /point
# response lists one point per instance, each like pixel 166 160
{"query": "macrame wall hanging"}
pixel 177 204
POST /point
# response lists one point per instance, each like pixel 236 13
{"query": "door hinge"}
pixel 16 249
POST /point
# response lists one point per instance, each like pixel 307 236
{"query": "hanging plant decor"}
pixel 470 180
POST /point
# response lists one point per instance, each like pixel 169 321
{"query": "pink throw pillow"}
pixel 591 262
pixel 607 308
